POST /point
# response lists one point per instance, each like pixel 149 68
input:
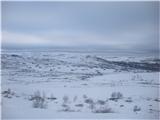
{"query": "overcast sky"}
pixel 108 25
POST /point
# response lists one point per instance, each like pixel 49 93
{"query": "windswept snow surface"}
pixel 79 85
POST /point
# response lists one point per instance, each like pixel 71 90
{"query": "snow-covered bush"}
pixel 103 109
pixel 121 105
pixel 39 101
pixel 89 101
pixel 75 98
pixel 157 99
pixel 129 99
pixel 79 105
pixel 136 108
pixel 8 93
pixel 67 108
pixel 92 106
pixel 84 96
pixel 101 102
pixel 65 99
pixel 116 95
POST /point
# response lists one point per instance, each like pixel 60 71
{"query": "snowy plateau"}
pixel 79 85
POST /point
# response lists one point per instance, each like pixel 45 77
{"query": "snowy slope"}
pixel 79 85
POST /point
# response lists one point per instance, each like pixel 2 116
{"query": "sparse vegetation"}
pixel 39 101
pixel 101 102
pixel 129 99
pixel 103 109
pixel 66 108
pixel 136 108
pixel 121 105
pixel 79 105
pixel 157 99
pixel 89 101
pixel 52 97
pixel 92 106
pixel 116 95
pixel 125 81
pixel 85 96
pixel 65 99
pixel 75 98
pixel 8 93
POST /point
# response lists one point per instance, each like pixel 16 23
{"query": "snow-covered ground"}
pixel 79 85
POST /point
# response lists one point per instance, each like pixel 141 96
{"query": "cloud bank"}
pixel 112 25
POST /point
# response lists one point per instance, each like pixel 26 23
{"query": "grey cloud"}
pixel 122 25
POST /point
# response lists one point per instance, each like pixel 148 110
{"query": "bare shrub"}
pixel 64 105
pixel 67 108
pixel 89 101
pixel 75 98
pixel 8 93
pixel 136 108
pixel 157 99
pixel 65 99
pixel 101 102
pixel 103 109
pixel 39 100
pixel 121 105
pixel 79 105
pixel 129 99
pixel 52 97
pixel 116 95
pixel 92 106
pixel 85 96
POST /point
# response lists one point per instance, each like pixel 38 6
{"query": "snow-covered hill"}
pixel 79 85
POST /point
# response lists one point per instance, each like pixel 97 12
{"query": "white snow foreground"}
pixel 74 85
